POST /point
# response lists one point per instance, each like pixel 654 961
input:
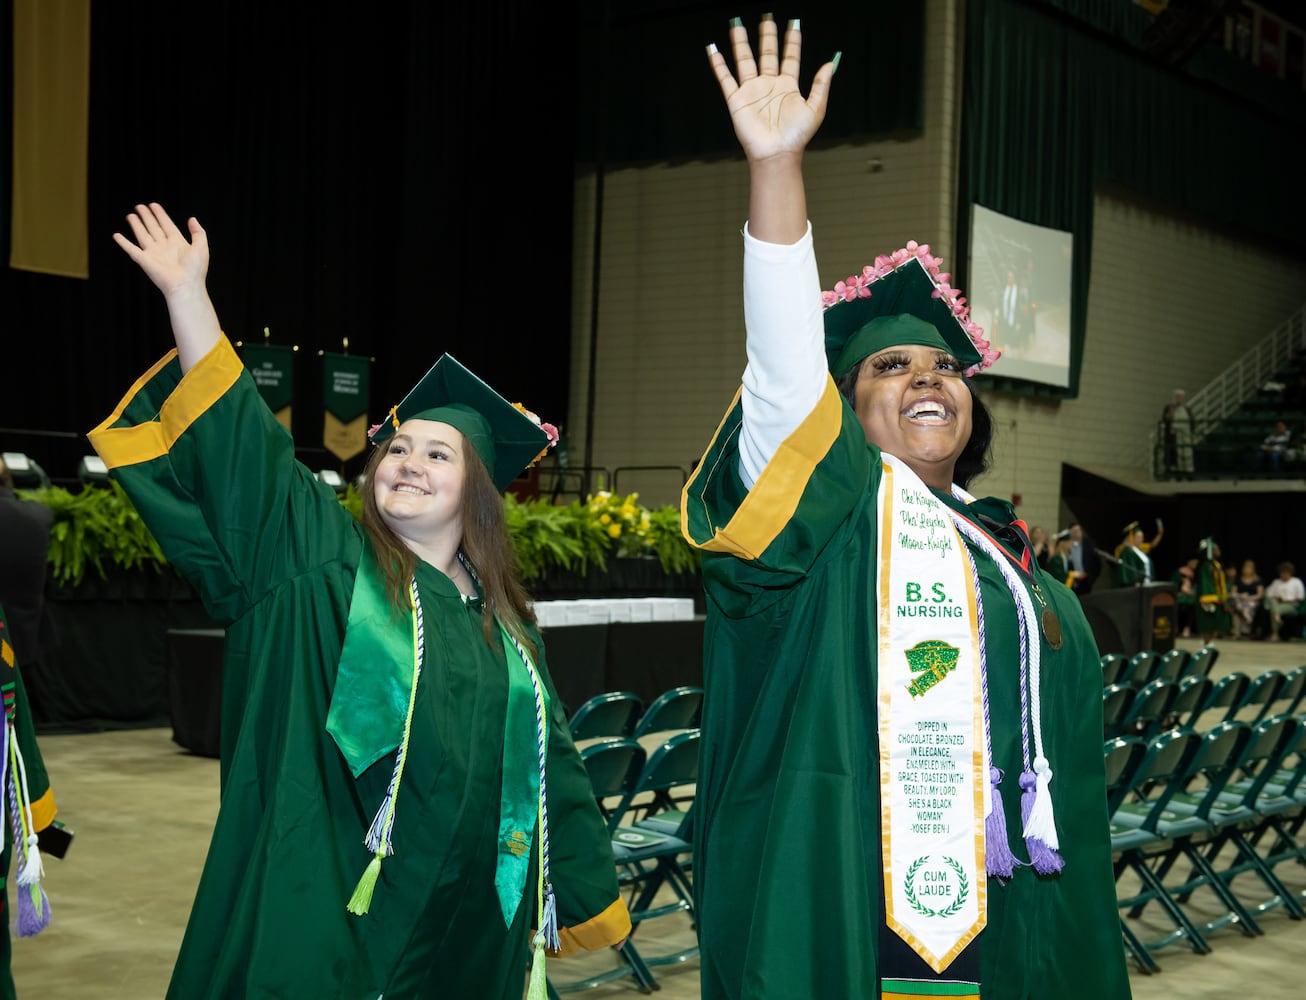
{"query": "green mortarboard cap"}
pixel 505 438
pixel 858 328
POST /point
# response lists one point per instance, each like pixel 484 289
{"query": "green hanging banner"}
pixel 273 368
pixel 345 402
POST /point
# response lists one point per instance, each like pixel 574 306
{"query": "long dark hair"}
pixel 486 544
pixel 974 458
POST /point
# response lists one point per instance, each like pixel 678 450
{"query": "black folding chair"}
pixel 1114 667
pixel 1250 806
pixel 1121 757
pixel 651 841
pixel 1170 666
pixel 1226 696
pixel 1201 662
pixel 1116 699
pixel 1150 709
pixel 1133 832
pixel 614 766
pixel 1289 697
pixel 1186 822
pixel 1142 667
pixel 1190 701
pixel 612 713
pixel 679 708
pixel 1261 694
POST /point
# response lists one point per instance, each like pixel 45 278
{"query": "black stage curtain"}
pixel 399 175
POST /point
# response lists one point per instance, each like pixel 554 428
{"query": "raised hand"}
pixel 172 261
pixel 178 267
pixel 768 111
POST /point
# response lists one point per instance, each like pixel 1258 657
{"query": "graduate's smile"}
pixel 419 481
pixel 913 403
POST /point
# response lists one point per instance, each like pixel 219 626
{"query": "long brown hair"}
pixel 485 543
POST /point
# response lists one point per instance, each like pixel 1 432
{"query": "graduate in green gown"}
pixel 1058 564
pixel 403 811
pixel 901 790
pixel 1135 556
pixel 29 810
pixel 1213 617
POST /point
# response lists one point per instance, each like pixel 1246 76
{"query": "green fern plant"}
pixel 97 529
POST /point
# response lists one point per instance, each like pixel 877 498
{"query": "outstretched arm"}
pixel 773 123
pixel 178 267
pixel 786 373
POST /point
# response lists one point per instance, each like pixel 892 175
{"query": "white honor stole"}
pixel 933 766
pixel 1146 561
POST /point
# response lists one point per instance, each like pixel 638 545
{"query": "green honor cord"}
pixel 546 936
pixel 379 834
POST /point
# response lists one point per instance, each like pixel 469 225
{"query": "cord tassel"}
pixel 549 926
pixel 33 870
pixel 1036 810
pixel 33 911
pixel 379 834
pixel 998 859
pixel 537 988
pixel 361 901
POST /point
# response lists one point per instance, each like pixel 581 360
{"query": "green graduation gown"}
pixel 274 554
pixel 1059 569
pixel 1213 616
pixel 787 847
pixel 38 790
pixel 1133 568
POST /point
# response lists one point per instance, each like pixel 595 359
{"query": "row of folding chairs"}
pixel 1163 704
pixel 1216 811
pixel 1149 665
pixel 646 796
pixel 622 713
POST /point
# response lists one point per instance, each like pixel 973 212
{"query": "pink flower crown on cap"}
pixel 858 286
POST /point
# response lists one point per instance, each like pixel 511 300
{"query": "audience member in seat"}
pixel 1248 591
pixel 1283 597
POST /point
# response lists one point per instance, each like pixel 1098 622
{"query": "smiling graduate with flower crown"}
pixel 401 799
pixel 901 791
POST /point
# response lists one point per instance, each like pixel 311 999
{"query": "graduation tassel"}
pixel 33 870
pixel 1036 810
pixel 549 925
pixel 361 900
pixel 33 911
pixel 538 986
pixel 998 859
pixel 380 833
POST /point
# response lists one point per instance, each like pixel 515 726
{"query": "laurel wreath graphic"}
pixel 963 890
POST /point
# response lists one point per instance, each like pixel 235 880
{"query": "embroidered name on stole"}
pixel 932 748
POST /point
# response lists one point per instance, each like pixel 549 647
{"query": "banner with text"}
pixel 273 368
pixel 345 402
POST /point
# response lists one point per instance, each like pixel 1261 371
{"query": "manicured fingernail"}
pixel 837 56
pixel 736 22
pixel 768 17
pixel 796 25
pixel 711 48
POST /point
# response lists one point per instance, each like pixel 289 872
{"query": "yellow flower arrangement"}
pixel 624 520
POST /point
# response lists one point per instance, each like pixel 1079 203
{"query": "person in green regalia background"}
pixel 403 811
pixel 901 790
pixel 29 811
pixel 1135 554
pixel 1058 564
pixel 1213 618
